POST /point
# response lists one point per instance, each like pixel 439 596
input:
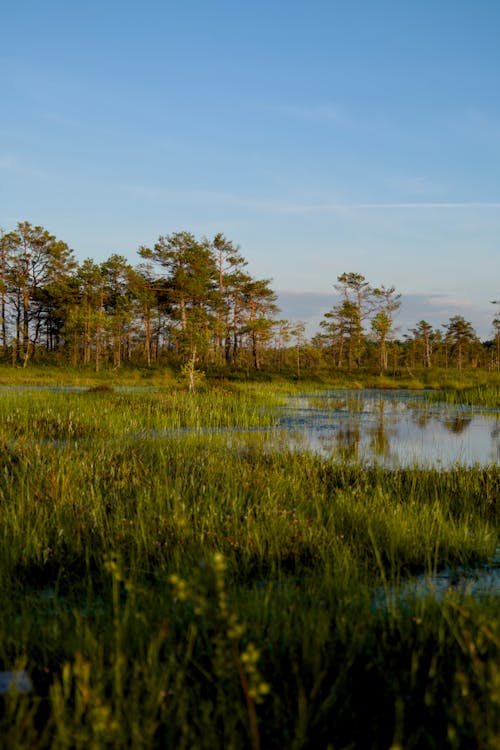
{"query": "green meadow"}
pixel 169 580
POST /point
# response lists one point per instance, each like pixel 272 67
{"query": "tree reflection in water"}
pixel 379 442
pixel 421 418
pixel 456 424
pixel 392 429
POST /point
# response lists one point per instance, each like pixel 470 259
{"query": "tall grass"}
pixel 487 395
pixel 169 584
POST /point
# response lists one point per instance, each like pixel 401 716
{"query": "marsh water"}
pixel 395 429
pixel 391 429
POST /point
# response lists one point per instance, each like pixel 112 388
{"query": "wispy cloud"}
pixel 159 194
pixel 325 112
pixel 421 187
pixel 421 205
pixel 16 166
pixel 314 112
pixel 8 161
pixel 479 124
pixel 271 205
pixel 326 208
pixel 59 119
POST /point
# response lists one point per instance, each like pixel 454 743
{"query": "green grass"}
pixel 169 584
pixel 329 377
pixel 487 395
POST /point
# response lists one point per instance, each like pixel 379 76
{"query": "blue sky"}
pixel 321 137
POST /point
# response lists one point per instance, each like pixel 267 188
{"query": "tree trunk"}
pixel 26 339
pixel 147 343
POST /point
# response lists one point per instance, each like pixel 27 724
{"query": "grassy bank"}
pixel 170 581
pixel 130 375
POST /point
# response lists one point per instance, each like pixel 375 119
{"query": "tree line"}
pixel 192 302
pixel 360 329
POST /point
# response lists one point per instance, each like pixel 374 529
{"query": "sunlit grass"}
pixel 166 582
pixel 487 395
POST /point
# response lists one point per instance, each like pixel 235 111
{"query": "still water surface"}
pixel 391 429
pixel 397 429
pixel 388 428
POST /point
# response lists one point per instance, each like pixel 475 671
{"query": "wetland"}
pixel 249 566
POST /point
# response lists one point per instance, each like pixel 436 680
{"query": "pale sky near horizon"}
pixel 320 136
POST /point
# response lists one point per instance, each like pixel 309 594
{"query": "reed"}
pixel 487 395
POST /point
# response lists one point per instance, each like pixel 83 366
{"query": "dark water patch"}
pixel 480 581
pixel 17 680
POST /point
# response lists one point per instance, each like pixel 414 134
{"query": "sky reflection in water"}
pixel 391 429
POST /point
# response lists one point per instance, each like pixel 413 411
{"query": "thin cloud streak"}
pixel 467 204
pixel 333 207
pixel 272 205
pixel 317 113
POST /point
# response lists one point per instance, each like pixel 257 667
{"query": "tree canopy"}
pixel 193 302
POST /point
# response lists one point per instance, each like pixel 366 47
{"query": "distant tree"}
pixel 147 294
pixel 349 325
pixel 88 320
pixel 334 333
pixel 355 306
pixel 258 314
pixel 297 331
pixel 190 283
pixel 381 325
pixel 423 337
pixel 34 265
pixel 56 295
pixel 230 265
pixel 462 337
pixel 3 291
pixel 238 286
pixel 118 303
pixel 282 334
pixel 387 302
pixel 496 334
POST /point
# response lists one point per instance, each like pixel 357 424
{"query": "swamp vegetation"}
pixel 170 580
